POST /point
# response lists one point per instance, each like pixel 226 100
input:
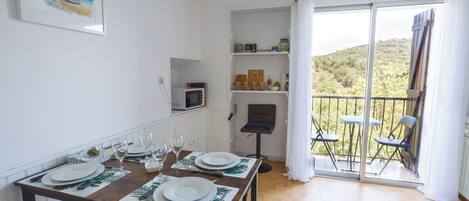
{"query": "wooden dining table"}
pixel 138 177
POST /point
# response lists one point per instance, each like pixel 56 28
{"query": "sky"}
pixel 334 31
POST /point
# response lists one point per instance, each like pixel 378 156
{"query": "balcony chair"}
pixel 408 122
pixel 320 136
pixel 261 120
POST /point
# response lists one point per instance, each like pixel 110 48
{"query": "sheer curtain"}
pixel 299 159
pixel 446 104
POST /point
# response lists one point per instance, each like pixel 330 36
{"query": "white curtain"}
pixel 446 102
pixel 299 159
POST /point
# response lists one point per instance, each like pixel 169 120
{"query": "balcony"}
pixel 388 110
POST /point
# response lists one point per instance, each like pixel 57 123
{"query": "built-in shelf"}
pixel 259 92
pixel 260 54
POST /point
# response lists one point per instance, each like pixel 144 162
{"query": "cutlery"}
pixel 128 160
pixel 109 147
pixel 132 160
pixel 112 168
pixel 37 178
pixel 148 193
pixel 90 182
pixel 223 196
pixel 65 187
pixel 194 168
pixel 240 168
pixel 213 173
pixel 243 163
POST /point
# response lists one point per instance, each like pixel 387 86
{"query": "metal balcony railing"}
pixel 328 110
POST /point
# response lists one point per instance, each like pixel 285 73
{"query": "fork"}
pixel 194 168
pixel 148 193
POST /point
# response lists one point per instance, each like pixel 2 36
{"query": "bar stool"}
pixel 261 120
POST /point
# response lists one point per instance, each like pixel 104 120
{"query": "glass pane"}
pixel 390 83
pixel 340 50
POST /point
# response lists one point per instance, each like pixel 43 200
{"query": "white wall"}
pixel 61 89
pixel 331 3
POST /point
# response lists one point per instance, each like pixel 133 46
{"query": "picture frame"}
pixel 79 15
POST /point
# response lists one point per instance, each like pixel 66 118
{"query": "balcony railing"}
pixel 329 109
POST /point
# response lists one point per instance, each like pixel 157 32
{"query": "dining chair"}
pixel 320 136
pixel 409 122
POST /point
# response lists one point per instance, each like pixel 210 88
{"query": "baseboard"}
pixel 462 198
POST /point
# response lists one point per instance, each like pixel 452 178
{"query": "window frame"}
pixel 373 7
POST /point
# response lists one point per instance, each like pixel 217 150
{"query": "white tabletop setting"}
pixel 224 163
pixel 185 188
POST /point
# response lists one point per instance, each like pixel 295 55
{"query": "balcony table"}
pixel 138 177
pixel 351 121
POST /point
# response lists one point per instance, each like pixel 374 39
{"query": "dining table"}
pixel 351 121
pixel 138 177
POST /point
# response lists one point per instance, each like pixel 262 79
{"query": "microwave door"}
pixel 193 99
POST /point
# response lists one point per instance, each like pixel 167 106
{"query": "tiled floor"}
pixel 276 187
pixel 394 171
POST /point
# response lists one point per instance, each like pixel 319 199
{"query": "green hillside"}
pixel 343 73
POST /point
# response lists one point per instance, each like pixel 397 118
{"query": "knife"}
pixel 91 181
pixel 37 178
pixel 213 173
pixel 193 168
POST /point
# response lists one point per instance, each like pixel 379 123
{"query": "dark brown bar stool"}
pixel 261 120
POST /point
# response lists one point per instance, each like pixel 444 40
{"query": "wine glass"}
pixel 176 142
pixel 146 140
pixel 120 147
pixel 159 155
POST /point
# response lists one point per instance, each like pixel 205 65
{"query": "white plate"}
pixel 158 194
pixel 135 149
pixel 73 172
pixel 136 155
pixel 47 180
pixel 218 158
pixel 201 164
pixel 187 189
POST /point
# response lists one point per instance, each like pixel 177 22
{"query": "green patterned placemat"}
pixel 239 171
pixel 82 189
pixel 224 193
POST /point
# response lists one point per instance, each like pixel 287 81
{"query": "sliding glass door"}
pixel 400 40
pixel 366 62
pixel 340 58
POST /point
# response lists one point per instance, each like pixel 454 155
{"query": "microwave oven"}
pixel 187 98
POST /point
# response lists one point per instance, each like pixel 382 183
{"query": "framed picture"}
pixel 80 15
